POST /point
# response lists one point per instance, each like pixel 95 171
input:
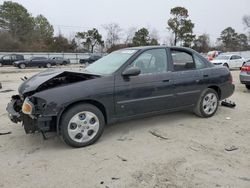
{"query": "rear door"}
pixel 150 91
pixel 186 77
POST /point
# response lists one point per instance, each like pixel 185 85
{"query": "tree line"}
pixel 20 31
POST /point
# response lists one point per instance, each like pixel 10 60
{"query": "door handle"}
pixel 165 80
pixel 205 76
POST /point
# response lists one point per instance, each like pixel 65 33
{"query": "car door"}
pixel 239 60
pixel 186 77
pixel 151 90
pixel 233 62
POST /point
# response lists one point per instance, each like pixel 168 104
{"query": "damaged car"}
pixel 126 84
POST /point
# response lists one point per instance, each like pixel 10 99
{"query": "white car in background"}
pixel 230 61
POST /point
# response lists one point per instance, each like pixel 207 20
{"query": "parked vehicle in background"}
pixel 230 61
pixel 10 59
pixel 90 59
pixel 35 62
pixel 129 83
pixel 245 74
pixel 212 55
pixel 60 60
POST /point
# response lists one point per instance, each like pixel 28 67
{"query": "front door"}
pixel 150 91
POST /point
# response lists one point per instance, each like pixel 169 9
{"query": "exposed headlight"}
pixel 28 107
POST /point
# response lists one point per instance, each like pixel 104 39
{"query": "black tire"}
pixel 64 63
pixel 247 86
pixel 226 65
pixel 1 64
pixel 199 109
pixel 73 111
pixel 22 66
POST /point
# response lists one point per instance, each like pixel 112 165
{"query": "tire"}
pixel 84 134
pixel 64 63
pixel 247 86
pixel 22 66
pixel 207 104
pixel 226 65
pixel 1 64
pixel 48 65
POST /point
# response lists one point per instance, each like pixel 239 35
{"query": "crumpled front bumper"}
pixel 13 113
pixel 31 124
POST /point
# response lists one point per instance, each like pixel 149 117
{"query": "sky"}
pixel 69 17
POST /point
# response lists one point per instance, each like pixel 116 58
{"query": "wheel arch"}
pixel 217 89
pixel 95 103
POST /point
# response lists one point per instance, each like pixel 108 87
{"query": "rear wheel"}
pixel 82 125
pixel 247 86
pixel 207 104
pixel 22 66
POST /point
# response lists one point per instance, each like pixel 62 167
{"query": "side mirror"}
pixel 133 71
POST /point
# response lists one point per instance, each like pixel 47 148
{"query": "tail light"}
pixel 245 68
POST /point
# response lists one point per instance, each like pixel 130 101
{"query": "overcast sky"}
pixel 209 16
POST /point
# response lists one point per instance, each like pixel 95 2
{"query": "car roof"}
pixel 159 46
pixel 228 55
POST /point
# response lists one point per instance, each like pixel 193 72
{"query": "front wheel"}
pixel 207 104
pixel 48 65
pixel 22 66
pixel 247 86
pixel 82 125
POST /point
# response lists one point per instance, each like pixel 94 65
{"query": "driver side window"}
pixel 151 62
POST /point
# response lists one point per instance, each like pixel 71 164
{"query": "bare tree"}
pixel 113 34
pixel 129 35
pixel 246 21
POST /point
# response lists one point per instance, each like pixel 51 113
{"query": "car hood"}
pixel 219 61
pixel 53 78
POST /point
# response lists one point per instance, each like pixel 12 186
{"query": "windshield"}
pixel 110 63
pixel 222 57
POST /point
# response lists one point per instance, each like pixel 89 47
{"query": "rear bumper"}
pixel 245 78
pixel 227 90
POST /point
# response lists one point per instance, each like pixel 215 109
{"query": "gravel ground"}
pixel 193 153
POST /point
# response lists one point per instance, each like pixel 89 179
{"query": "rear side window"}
pixel 7 57
pixel 199 63
pixel 182 60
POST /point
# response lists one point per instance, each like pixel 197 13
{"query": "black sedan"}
pixel 35 62
pixel 129 83
pixel 60 60
pixel 90 59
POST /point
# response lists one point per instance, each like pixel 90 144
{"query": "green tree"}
pixel 181 26
pixel 142 38
pixel 202 43
pixel 60 44
pixel 91 39
pixel 44 31
pixel 229 39
pixel 242 42
pixel 15 19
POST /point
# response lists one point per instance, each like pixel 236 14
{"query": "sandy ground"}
pixel 128 155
